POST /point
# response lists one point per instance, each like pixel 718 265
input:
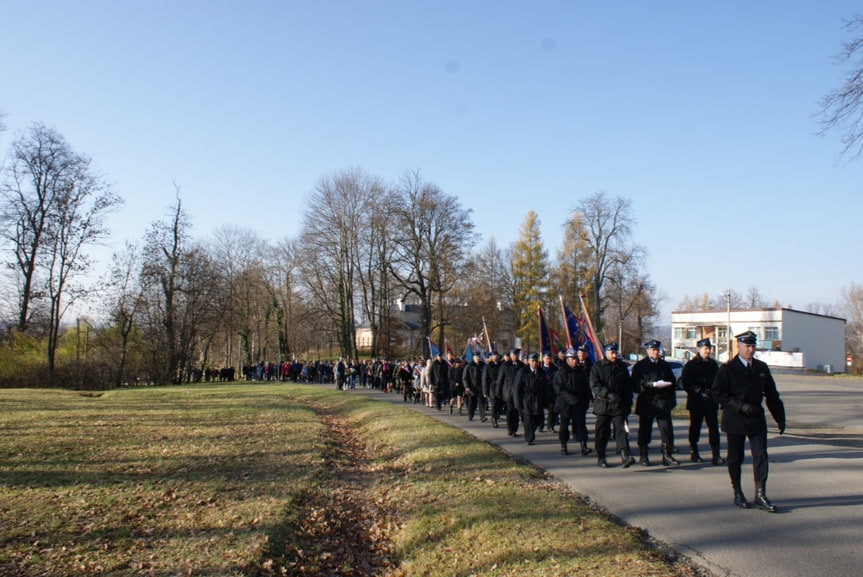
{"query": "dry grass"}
pixel 280 479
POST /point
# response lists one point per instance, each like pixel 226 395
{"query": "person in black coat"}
pixel 529 395
pixel 490 389
pixel 472 381
pixel 739 387
pixel 506 385
pixel 612 391
pixel 697 378
pixel 440 381
pixel 573 396
pixel 550 369
pixel 653 379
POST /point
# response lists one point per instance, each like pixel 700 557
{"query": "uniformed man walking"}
pixel 653 380
pixel 612 389
pixel 740 386
pixel 697 378
pixel 572 387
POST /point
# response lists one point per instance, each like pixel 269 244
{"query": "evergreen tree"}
pixel 529 268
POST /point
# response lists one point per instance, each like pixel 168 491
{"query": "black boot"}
pixel 585 450
pixel 693 454
pixel 563 449
pixel 600 459
pixel 667 458
pixel 761 501
pixel 717 458
pixel 642 453
pixel 739 499
pixel 626 459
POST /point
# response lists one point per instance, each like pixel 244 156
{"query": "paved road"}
pixel 816 480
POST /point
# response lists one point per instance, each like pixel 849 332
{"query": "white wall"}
pixel 821 338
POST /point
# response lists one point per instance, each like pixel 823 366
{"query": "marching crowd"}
pixel 555 393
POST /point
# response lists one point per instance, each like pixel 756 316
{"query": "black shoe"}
pixel 450 409
pixel 585 450
pixel 602 462
pixel 484 419
pixel 626 461
pixel 494 423
pixel 644 461
pixel 564 450
pixel 740 500
pixel 762 502
pixel 694 456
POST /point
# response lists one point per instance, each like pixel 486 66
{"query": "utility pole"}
pixel 727 295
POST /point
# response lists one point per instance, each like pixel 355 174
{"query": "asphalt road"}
pixel 816 480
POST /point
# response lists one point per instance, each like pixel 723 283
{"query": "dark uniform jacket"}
pixel 490 387
pixel 472 378
pixel 530 390
pixel 572 386
pixel 697 377
pixel 739 392
pixel 440 376
pixel 653 401
pixel 611 386
pixel 506 379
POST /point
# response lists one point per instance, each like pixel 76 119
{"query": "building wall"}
pixel 822 339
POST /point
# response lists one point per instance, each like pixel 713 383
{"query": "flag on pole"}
pixel 546 343
pixel 433 350
pixel 590 333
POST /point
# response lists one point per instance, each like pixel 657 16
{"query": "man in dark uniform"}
pixel 440 381
pixel 739 388
pixel 572 387
pixel 490 389
pixel 550 370
pixel 529 394
pixel 612 389
pixel 506 384
pixel 697 378
pixel 472 380
pixel 653 379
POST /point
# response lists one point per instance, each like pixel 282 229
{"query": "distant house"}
pixel 786 337
pixel 406 329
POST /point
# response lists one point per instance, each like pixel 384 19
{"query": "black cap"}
pixel 570 352
pixel 653 345
pixel 747 338
pixel 704 343
pixel 583 348
pixel 533 357
pixel 611 347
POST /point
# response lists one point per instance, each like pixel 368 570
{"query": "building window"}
pixel 722 333
pixel 771 333
pixel 757 331
pixel 690 333
pixel 679 333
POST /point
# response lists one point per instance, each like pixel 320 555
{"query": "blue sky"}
pixel 701 113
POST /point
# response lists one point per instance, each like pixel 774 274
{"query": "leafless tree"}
pixel 842 109
pixel 435 234
pixel 54 207
pixel 606 232
pixel 122 299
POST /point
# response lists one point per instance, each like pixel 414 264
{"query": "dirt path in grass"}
pixel 344 530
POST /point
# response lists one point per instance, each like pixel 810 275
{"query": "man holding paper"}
pixel 654 382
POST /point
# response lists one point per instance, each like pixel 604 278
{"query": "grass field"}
pixel 277 479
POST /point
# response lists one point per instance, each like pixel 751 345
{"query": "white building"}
pixel 786 337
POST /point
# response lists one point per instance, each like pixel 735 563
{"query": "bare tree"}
pixel 122 299
pixel 434 236
pixel 607 236
pixel 53 207
pixel 842 109
pixel 754 299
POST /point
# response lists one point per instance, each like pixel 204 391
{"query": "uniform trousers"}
pixel 645 428
pixel 578 418
pixel 512 417
pixel 603 432
pixel 695 420
pixel 758 450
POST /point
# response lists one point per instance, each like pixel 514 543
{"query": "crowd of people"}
pixel 537 393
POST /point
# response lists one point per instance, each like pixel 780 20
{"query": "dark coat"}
pixel 697 377
pixel 652 401
pixel 572 387
pixel 739 391
pixel 490 386
pixel 530 392
pixel 611 388
pixel 472 378
pixel 506 379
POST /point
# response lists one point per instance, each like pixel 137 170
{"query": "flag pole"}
pixel 487 338
pixel 563 316
pixel 590 325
